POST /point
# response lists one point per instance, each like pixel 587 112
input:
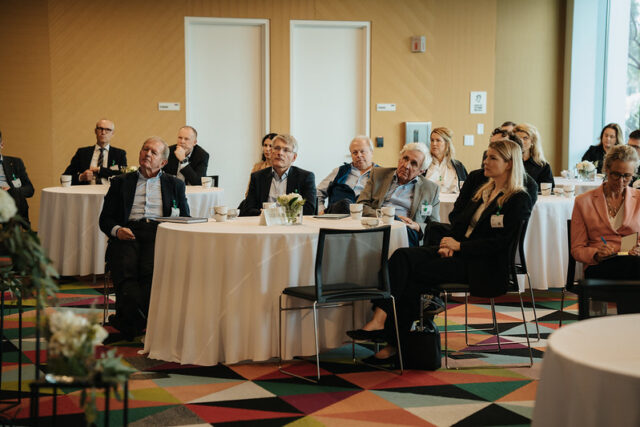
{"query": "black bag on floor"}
pixel 421 345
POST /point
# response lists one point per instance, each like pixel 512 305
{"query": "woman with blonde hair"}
pixel 610 136
pixel 476 252
pixel 532 155
pixel 444 169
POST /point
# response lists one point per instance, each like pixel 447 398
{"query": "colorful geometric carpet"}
pixel 257 394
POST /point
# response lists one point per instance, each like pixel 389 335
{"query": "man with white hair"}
pixel 345 183
pixel 415 198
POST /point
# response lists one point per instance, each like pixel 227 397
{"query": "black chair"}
pixel 351 265
pixel 521 268
pixel 107 290
pixel 570 284
pixel 451 288
pixel 214 179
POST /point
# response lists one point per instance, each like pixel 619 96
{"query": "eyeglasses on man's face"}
pixel 101 129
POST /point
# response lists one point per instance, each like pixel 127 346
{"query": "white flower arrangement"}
pixel 585 166
pixel 7 207
pixel 292 204
pixel 73 335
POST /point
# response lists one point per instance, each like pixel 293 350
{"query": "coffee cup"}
pixel 220 210
pixel 232 213
pixel 369 222
pixel 569 190
pixel 558 191
pixel 545 188
pixel 220 217
pixel 65 180
pixel 386 214
pixel 268 205
pixel 356 211
pixel 206 181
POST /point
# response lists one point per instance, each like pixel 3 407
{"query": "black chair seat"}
pixel 454 287
pixel 341 291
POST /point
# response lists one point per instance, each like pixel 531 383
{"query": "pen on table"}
pixel 603 241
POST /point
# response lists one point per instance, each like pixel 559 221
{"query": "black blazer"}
pixel 474 180
pixel 461 171
pixel 119 199
pixel 595 154
pixel 299 181
pixel 196 169
pixel 81 161
pixel 539 173
pixel 486 250
pixel 14 168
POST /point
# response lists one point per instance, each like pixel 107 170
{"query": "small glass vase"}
pixel 587 175
pixel 293 216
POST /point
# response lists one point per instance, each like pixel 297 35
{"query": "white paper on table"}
pixel 628 242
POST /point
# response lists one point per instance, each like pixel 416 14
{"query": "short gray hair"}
pixel 624 153
pixel 362 138
pixel 418 146
pixel 165 147
pixel 287 139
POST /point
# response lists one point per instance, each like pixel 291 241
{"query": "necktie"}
pixel 100 161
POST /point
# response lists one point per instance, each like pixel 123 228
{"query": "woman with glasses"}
pixel 602 217
pixel 534 162
pixel 610 136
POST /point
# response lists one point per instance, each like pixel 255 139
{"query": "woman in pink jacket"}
pixel 600 219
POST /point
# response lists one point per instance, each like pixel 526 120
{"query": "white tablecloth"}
pixel 591 375
pixel 581 186
pixel 215 290
pixel 546 250
pixel 69 230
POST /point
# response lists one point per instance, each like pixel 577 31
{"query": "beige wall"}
pixel 529 69
pixel 67 63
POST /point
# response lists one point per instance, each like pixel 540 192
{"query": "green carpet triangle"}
pixel 287 389
pixel 492 391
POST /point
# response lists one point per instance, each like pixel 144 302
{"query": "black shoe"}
pixel 392 361
pixel 432 305
pixel 128 333
pixel 362 335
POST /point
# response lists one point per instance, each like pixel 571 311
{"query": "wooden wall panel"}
pixel 114 59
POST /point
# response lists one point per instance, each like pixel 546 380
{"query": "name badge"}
pixel 497 221
pixel 426 209
pixel 17 183
pixel 114 167
pixel 175 211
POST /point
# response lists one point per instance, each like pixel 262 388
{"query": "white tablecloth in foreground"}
pixel 215 290
pixel 546 250
pixel 591 375
pixel 69 229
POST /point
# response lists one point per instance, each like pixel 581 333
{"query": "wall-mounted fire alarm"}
pixel 418 44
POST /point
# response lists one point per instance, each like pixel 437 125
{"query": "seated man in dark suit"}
pixel 415 198
pixel 97 162
pixel 281 178
pixel 14 179
pixel 187 161
pixel 131 201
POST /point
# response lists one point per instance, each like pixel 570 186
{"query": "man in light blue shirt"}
pixel 345 183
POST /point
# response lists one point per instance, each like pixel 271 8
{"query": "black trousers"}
pixel 131 264
pixel 618 268
pixel 416 271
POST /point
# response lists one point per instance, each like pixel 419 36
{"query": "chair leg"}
pixel 446 335
pixel 526 331
pixel 561 308
pixel 315 334
pixel 533 305
pixel 395 321
pixel 105 310
pixel 353 326
pixel 280 332
pixel 495 323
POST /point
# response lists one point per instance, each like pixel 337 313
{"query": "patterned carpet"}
pixel 257 394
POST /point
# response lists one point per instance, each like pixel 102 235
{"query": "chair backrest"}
pixel 571 268
pixel 352 262
pixel 214 178
pixel 523 262
pixel 514 244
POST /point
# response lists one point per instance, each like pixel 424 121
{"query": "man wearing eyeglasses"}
pixel 95 164
pixel 281 178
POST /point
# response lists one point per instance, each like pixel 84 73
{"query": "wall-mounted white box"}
pixel 168 106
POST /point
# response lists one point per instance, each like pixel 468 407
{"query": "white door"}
pixel 329 91
pixel 227 95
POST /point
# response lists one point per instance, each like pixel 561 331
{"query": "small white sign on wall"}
pixel 478 103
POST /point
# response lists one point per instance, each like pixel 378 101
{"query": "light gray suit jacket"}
pixel 373 194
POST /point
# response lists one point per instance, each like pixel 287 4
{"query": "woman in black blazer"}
pixel 477 253
pixel 610 135
pixel 444 169
pixel 532 155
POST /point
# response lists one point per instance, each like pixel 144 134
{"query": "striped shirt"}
pixel 147 201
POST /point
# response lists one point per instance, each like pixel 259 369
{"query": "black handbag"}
pixel 421 346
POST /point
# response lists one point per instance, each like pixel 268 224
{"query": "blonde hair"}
pixel 535 152
pixel 624 153
pixel 447 135
pixel 287 139
pixel 510 152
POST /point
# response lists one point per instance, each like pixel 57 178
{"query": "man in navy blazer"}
pixel 14 180
pixel 97 162
pixel 132 200
pixel 281 178
pixel 187 160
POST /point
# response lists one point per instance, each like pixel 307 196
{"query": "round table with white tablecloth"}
pixel 69 229
pixel 591 375
pixel 581 186
pixel 545 242
pixel 215 290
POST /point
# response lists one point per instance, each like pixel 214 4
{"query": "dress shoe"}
pixel 392 360
pixel 362 335
pixel 128 333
